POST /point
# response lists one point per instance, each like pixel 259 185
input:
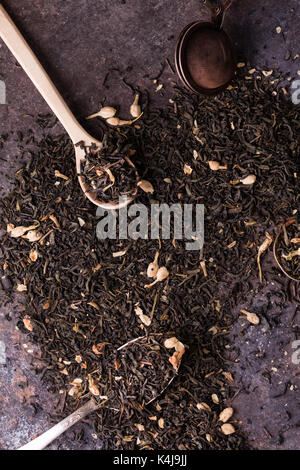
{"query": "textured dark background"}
pixel 79 42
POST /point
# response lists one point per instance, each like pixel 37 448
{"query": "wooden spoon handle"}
pixel 47 437
pixel 26 58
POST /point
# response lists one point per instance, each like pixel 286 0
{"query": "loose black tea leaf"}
pixel 81 298
pixel 109 172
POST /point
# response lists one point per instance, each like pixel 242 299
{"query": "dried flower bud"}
pixel 226 414
pixel 93 388
pixel 146 186
pixel 228 376
pixel 203 407
pixel 162 274
pixel 114 121
pixel 58 174
pixel 187 169
pixel 135 109
pixel 203 266
pixel 161 423
pixel 33 255
pixel 175 359
pixel 74 391
pixel 33 236
pixel 106 112
pixel 140 427
pixel 76 382
pixel 263 247
pixel 215 398
pixel 267 73
pixel 21 288
pixel 153 267
pixel 144 318
pixel 251 317
pixel 248 180
pixel 117 254
pixel 16 232
pixel 171 342
pixel 27 323
pixel 213 165
pixel 110 175
pixel 227 429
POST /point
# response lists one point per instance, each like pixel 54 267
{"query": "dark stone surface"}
pixel 267 363
pixel 79 42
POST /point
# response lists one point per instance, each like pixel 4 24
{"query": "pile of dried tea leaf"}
pixel 109 176
pixel 85 298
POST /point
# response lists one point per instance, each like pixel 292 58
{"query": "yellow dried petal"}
pixel 171 342
pixel 33 236
pixel 251 317
pixel 140 427
pixel 161 423
pixel 118 254
pixel 153 267
pixel 227 429
pixel 135 109
pixel 228 376
pixel 187 169
pixel 33 255
pixel 248 180
pixel 46 305
pixel 21 288
pixel 105 112
pixel 203 406
pixel 146 186
pixel 215 398
pixel 93 388
pixel 27 323
pixel 144 318
pixel 226 414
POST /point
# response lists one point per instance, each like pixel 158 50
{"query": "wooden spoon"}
pixel 42 441
pixel 26 58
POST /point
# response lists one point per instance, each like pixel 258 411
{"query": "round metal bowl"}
pixel 205 58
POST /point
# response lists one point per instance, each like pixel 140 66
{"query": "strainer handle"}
pixel 218 9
